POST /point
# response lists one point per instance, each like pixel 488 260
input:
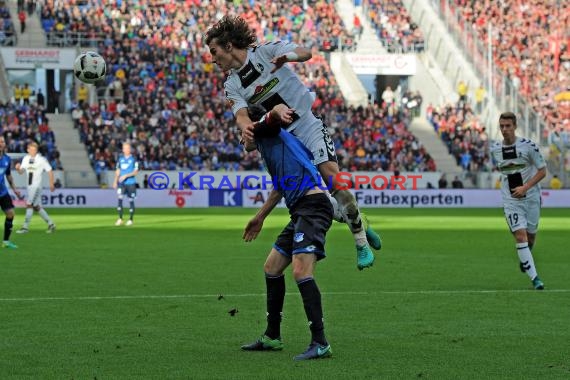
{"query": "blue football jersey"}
pixel 5 164
pixel 127 165
pixel 290 165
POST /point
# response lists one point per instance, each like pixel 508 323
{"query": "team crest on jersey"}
pixel 260 67
pixel 261 91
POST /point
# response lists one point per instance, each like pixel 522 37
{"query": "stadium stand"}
pixel 462 131
pixel 394 26
pixel 163 91
pixel 7 31
pixel 22 123
pixel 530 47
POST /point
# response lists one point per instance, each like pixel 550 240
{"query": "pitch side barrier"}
pixel 172 198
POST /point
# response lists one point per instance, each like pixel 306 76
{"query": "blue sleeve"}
pixel 9 167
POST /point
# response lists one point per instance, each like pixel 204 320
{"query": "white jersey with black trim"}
pixel 254 83
pixel 34 167
pixel 518 163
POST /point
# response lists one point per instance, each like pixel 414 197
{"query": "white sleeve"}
pixel 46 166
pixel 233 97
pixel 276 49
pixel 25 163
pixel 536 156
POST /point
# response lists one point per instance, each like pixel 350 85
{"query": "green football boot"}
pixel 264 343
pixel 364 257
pixel 372 237
pixel 537 283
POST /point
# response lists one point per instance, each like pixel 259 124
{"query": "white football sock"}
pixel 526 260
pixel 29 214
pixel 43 213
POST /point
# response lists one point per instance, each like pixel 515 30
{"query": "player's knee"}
pixel 37 208
pixel 9 215
pixel 272 267
pixel 520 236
pixel 301 270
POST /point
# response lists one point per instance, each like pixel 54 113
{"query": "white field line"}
pixel 182 296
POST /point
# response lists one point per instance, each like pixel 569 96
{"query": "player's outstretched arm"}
pixel 256 223
pixel 300 54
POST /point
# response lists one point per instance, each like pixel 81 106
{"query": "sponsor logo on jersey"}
pixel 248 75
pixel 261 91
pixel 511 167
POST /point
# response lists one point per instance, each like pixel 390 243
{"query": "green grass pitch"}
pixel 444 300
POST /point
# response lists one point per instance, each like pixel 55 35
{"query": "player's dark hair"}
pixel 231 29
pixel 509 116
pixel 255 112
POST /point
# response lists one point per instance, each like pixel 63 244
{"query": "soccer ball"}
pixel 89 67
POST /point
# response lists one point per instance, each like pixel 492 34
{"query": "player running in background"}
pixel 258 75
pixel 126 183
pixel 5 198
pixel 34 164
pixel 522 167
pixel 302 241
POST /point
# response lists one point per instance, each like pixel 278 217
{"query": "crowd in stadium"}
pixel 394 26
pixel 21 123
pixel 538 66
pixel 463 133
pixel 7 31
pixel 164 92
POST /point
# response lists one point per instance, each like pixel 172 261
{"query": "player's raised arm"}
pixel 300 54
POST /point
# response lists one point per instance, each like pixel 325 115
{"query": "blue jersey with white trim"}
pixel 127 165
pixel 290 165
pixel 5 165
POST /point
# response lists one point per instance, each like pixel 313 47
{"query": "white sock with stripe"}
pixel 525 257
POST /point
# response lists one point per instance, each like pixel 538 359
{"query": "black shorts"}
pixel 6 202
pixel 311 218
pixel 129 191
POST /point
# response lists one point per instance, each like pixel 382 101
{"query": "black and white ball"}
pixel 89 67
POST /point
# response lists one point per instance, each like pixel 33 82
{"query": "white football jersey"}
pixel 518 163
pixel 254 83
pixel 34 167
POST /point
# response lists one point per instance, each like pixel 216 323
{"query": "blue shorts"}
pixel 311 218
pixel 129 191
pixel 6 202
